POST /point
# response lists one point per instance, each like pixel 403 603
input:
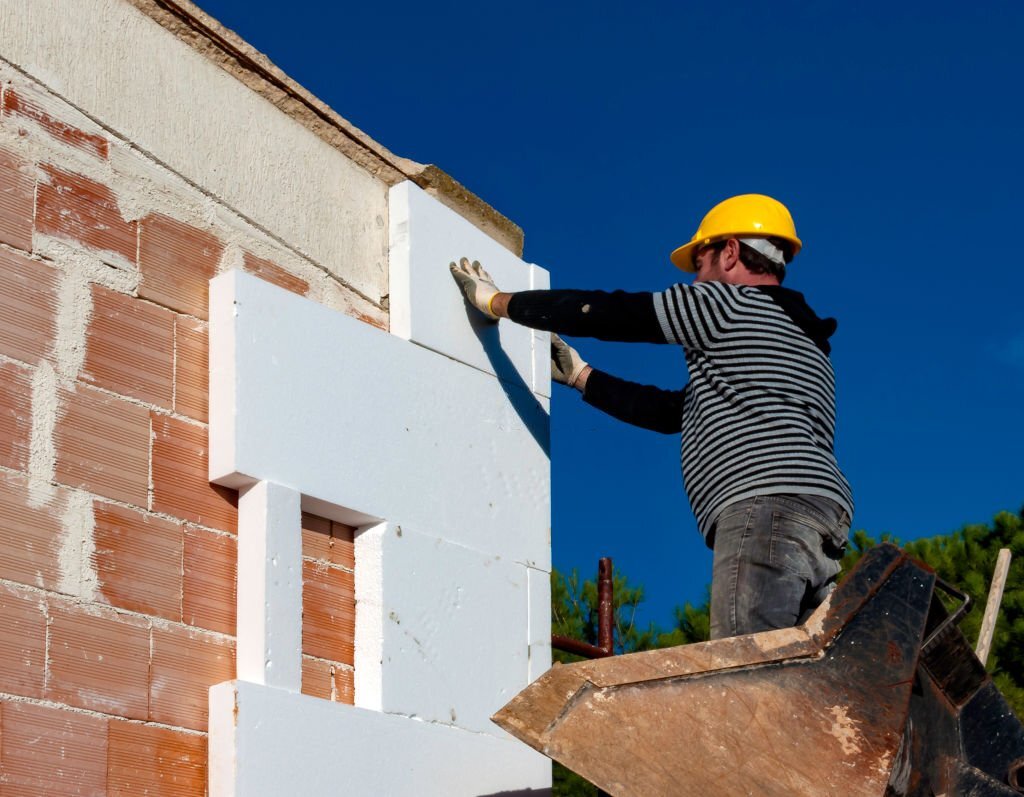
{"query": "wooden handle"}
pixel 995 597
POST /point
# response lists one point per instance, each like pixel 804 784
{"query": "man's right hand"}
pixel 477 285
pixel 566 364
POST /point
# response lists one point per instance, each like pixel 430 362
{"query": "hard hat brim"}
pixel 682 258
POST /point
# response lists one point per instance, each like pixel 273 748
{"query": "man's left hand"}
pixel 567 366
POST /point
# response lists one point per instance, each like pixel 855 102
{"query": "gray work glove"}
pixel 477 284
pixel 566 363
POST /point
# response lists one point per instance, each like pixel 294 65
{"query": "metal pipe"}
pixel 605 615
pixel 605 606
pixel 577 648
pixel 605 619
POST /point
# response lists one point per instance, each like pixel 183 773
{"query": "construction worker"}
pixel 757 416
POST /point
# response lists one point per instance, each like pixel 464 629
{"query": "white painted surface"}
pixel 427 306
pixel 270 586
pixel 350 415
pixel 207 126
pixel 351 751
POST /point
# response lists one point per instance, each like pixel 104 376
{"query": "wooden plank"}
pixel 995 597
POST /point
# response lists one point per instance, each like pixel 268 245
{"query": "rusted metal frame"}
pixel 605 605
pixel 953 618
pixel 1015 776
pixel 577 648
pixel 605 625
pixel 605 619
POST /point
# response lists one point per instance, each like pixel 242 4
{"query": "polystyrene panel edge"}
pixel 223 382
pixel 266 741
pixel 540 280
pixel 399 274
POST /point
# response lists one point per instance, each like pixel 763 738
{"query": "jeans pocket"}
pixel 796 545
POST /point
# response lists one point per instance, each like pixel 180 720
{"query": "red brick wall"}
pixel 117 557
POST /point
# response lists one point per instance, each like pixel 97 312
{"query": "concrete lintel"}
pixel 240 59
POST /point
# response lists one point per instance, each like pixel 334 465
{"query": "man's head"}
pixel 746 261
pixel 752 231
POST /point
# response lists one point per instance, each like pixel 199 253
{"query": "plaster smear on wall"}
pixel 142 187
pixel 42 457
pixel 78 575
pixel 208 127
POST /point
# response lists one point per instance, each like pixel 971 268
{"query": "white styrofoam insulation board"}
pixel 445 469
pixel 427 307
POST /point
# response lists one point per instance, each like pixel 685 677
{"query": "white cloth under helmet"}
pixel 766 248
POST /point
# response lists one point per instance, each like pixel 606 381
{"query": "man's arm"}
pixel 646 406
pixel 619 316
pixel 641 405
pixel 696 316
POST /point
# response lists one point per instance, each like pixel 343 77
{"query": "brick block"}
pixel 176 263
pixel 180 477
pixel 99 660
pixel 53 752
pixel 22 642
pixel 15 415
pixel 328 541
pixel 74 207
pixel 29 537
pixel 143 759
pixel 328 612
pixel 271 272
pixel 191 368
pixel 329 680
pixel 130 348
pixel 16 104
pixel 138 561
pixel 103 445
pixel 186 663
pixel 17 203
pixel 211 575
pixel 28 307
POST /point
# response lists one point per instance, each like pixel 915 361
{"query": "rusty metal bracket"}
pixel 953 618
pixel 605 619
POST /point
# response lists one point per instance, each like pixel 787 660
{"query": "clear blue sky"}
pixel 894 133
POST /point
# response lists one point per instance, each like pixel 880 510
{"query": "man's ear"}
pixel 730 255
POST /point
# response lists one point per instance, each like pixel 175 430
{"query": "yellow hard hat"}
pixel 747 215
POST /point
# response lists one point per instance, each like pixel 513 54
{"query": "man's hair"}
pixel 757 263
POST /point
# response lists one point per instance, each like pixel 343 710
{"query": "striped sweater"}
pixel 758 413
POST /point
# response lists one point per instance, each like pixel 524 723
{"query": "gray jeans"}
pixel 776 559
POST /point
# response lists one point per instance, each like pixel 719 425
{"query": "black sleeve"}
pixel 641 405
pixel 622 316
